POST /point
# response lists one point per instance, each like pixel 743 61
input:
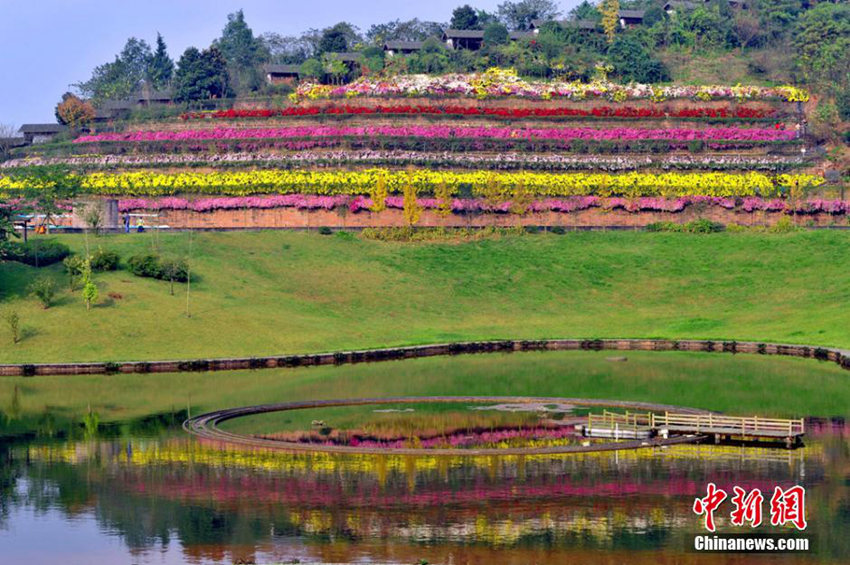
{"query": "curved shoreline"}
pixel 205 426
pixel 835 355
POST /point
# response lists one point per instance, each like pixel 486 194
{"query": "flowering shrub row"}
pixel 478 182
pixel 449 132
pixel 456 145
pixel 498 83
pixel 478 205
pixel 503 161
pixel 740 113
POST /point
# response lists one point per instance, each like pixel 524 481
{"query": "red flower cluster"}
pixel 508 113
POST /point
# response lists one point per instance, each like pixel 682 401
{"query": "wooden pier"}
pixel 721 428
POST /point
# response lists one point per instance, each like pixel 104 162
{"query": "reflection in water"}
pixel 174 498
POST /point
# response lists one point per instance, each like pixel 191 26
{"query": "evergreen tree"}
pixel 161 67
pixel 464 17
pixel 201 75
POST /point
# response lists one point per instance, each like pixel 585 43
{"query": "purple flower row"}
pixel 475 205
pixel 447 132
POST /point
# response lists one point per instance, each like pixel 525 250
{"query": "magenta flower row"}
pixel 474 205
pixel 446 132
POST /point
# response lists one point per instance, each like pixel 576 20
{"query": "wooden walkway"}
pixel 632 425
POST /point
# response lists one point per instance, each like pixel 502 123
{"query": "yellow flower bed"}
pixel 480 183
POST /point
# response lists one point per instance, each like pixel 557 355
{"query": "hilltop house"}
pixel 282 74
pixel 473 39
pixel 41 133
pixel 631 18
pixel 402 47
pixel 582 25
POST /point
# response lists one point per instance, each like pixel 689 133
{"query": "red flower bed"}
pixel 508 113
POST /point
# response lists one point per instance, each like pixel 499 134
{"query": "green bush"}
pixel 700 225
pixel 102 260
pixel 560 230
pixel 325 230
pixel 37 252
pixel 156 267
pixel 146 265
pixel 44 289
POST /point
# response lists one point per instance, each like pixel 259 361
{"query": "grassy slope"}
pixel 275 292
pixel 742 384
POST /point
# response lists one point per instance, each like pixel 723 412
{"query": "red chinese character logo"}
pixel 747 507
pixel 788 506
pixel 709 504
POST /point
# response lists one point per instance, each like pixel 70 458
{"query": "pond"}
pixel 143 491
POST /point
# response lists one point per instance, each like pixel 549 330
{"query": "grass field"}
pixel 741 385
pixel 260 293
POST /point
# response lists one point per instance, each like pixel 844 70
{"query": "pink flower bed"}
pixel 475 205
pixel 447 132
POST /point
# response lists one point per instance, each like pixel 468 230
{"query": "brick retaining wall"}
pixel 841 357
pixel 342 218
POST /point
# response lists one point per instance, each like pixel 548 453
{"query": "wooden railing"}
pixel 744 426
pixel 697 423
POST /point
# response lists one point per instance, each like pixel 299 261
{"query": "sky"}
pixel 47 45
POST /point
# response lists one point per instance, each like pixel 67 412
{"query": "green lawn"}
pixel 740 384
pixel 260 293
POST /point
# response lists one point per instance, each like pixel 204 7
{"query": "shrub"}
pixel 74 266
pixel 560 230
pixel 156 267
pixel 703 225
pixel 783 225
pixel 44 289
pixel 38 252
pixel 146 265
pixel 102 260
pixel 325 230
pixel 13 321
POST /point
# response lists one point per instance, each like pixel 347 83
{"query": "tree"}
pixel 411 209
pixel 7 139
pixel 90 292
pixel 518 15
pixel 410 30
pixel 822 41
pixel 288 50
pixel 44 289
pixel 312 68
pixel 13 321
pixel 632 62
pixel 74 112
pixel 464 17
pixel 201 75
pixel 161 68
pixel 610 10
pixel 495 34
pixel 48 190
pixel 432 58
pixel 242 51
pixel 338 38
pixel 122 77
pixel 747 28
pixel 585 11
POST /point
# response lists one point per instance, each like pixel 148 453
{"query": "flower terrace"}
pixel 460 145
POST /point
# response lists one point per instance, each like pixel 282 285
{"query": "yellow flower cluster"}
pixel 478 183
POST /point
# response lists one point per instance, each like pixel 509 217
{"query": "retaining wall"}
pixel 841 357
pixel 342 218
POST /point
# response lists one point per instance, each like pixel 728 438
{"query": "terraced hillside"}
pixel 460 150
